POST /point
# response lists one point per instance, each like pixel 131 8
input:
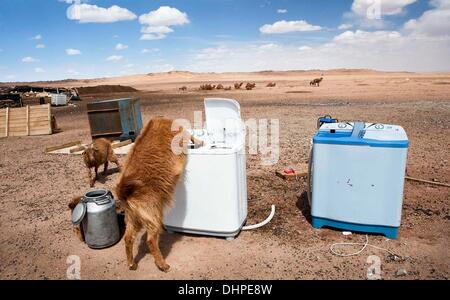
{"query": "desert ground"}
pixel 36 235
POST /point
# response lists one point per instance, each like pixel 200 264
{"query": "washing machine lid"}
pixel 222 109
pixel 362 134
pixel 223 118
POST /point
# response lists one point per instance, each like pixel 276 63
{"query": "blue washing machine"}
pixel 358 172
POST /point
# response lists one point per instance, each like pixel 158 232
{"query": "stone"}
pixel 401 272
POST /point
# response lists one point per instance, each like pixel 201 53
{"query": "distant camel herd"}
pixel 239 85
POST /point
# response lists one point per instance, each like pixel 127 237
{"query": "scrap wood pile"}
pixel 10 100
pixel 13 96
pixel 289 173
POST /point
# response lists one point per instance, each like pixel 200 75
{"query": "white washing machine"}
pixel 358 177
pixel 211 197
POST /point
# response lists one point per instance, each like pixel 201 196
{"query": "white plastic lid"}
pixel 223 117
pixel 222 109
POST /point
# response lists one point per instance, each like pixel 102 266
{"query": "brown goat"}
pixel 271 84
pixel 219 86
pixel 147 185
pixel 183 88
pixel 54 125
pixel 99 153
pixel 77 229
pixel 228 88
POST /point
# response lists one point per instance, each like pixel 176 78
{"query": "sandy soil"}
pixel 35 231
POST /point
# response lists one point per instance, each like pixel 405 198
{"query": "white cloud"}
pixel 288 26
pixel 434 22
pixel 384 7
pixel 116 36
pixel 345 26
pixel 128 66
pixel 214 53
pixel 10 76
pixel 157 24
pixel 73 1
pixel 143 51
pixel 367 37
pixel 29 59
pixel 157 29
pixel 282 11
pixel 304 48
pixel 86 13
pixel 164 16
pixel 72 51
pixel 270 46
pixel 114 58
pixel 162 68
pixel 155 32
pixel 40 46
pixel 72 72
pixel 37 37
pixel 39 70
pixel 152 37
pixel 121 46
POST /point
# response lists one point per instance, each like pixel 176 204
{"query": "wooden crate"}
pixel 24 121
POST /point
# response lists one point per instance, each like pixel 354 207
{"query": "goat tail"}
pixel 126 187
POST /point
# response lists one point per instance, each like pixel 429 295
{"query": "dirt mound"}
pixel 103 89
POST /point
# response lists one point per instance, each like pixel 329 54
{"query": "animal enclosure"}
pixel 24 121
pixel 115 119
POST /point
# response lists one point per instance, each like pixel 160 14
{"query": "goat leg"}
pixel 131 229
pixel 91 181
pixel 153 245
pixel 105 170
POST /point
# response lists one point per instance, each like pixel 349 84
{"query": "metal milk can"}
pixel 97 214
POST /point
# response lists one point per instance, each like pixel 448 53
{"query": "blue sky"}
pixel 117 37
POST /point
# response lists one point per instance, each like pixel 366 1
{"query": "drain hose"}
pixel 269 218
pixel 272 213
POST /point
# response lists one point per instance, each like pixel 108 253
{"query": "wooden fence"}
pixel 23 121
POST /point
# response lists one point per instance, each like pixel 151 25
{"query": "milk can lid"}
pixel 78 213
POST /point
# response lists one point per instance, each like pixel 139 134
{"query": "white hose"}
pixel 269 218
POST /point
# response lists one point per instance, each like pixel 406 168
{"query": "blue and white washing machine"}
pixel 358 172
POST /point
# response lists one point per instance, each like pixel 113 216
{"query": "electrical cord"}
pixel 364 246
